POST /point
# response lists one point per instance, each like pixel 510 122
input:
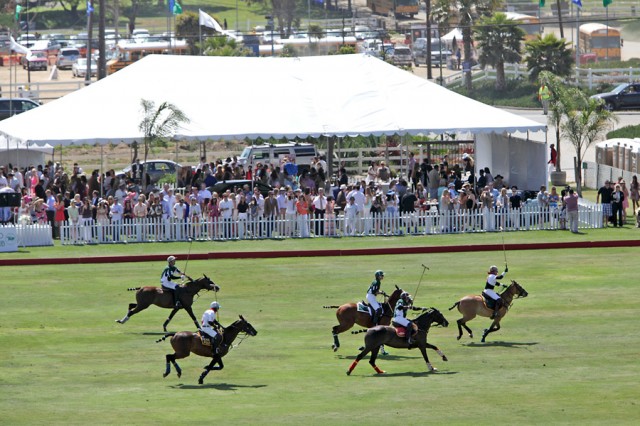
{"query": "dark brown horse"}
pixel 383 335
pixel 348 315
pixel 185 342
pixel 147 296
pixel 470 306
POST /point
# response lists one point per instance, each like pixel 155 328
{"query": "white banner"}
pixel 8 239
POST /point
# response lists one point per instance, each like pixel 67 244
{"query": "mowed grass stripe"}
pixel 566 354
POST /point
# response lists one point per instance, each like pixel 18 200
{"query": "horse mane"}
pixel 424 320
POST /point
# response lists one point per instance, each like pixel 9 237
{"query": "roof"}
pixel 237 97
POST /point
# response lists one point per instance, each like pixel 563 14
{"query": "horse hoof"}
pixel 200 381
pixel 444 358
pixel 165 374
pixel 119 321
pixel 335 348
pixel 348 372
pixel 361 348
pixel 384 353
pixel 458 338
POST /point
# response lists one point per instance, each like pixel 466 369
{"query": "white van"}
pixel 274 153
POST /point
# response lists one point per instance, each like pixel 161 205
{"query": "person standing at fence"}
pixel 319 210
pixel 433 182
pixel 634 193
pixel 179 215
pixel 544 94
pixel 290 213
pixel 617 206
pixel 226 210
pixel 302 210
pixel 350 217
pixel 117 211
pixel 571 201
pixel 604 197
pixel 271 211
pixel 625 202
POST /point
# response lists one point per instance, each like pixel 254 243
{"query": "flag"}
pixel 18 10
pixel 606 3
pixel 18 48
pixel 541 4
pixel 89 8
pixel 207 21
pixel 177 9
pixel 578 3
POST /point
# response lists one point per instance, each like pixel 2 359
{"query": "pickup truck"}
pixel 35 61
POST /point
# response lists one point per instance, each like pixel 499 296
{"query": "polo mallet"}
pixel 504 248
pixel 188 255
pixel 424 269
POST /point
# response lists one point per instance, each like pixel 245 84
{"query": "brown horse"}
pixel 383 335
pixel 147 296
pixel 185 342
pixel 348 315
pixel 470 306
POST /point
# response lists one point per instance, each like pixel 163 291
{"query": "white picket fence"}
pixel 36 235
pixel 425 222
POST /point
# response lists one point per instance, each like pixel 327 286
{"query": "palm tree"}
pixel 583 125
pixel 560 102
pixel 548 54
pixel 467 11
pixel 159 123
pixel 499 40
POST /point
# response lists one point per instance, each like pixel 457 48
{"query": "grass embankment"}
pixel 566 354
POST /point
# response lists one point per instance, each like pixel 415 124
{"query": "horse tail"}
pixel 165 336
pixel 364 330
pixel 454 305
pixel 134 288
pixel 331 307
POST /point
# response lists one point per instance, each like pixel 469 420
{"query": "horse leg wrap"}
pixel 352 366
pixel 378 370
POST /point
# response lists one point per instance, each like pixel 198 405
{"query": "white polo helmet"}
pixel 171 259
pixel 215 305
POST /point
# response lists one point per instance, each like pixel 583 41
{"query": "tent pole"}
pixel 101 170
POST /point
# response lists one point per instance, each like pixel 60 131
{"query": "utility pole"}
pixel 428 35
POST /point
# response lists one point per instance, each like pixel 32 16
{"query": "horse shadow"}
pixel 388 356
pixel 217 386
pixel 414 374
pixel 499 343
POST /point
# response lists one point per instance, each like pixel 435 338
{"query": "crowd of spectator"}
pixel 101 208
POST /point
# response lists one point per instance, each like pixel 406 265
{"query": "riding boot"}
pixel 496 309
pixel 374 318
pixel 176 298
pixel 410 333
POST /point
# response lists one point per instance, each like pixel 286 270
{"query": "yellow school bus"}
pixel 600 39
pixel 530 24
pixel 127 52
pixel 399 7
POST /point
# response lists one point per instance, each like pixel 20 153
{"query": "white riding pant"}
pixel 402 321
pixel 492 294
pixel 207 329
pixel 371 298
pixel 169 284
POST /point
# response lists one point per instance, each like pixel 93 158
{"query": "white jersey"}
pixel 208 318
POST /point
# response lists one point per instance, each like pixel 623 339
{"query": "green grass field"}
pixel 566 354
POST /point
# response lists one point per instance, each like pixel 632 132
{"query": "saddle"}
pixel 401 331
pixel 489 303
pixel 364 307
pixel 204 338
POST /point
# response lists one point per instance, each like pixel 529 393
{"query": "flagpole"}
pixel 577 37
pixel 606 58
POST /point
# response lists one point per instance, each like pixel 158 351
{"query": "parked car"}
pixel 274 153
pixel 221 187
pixel 79 68
pixel 402 56
pixel 156 169
pixel 438 57
pixel 13 106
pixel 35 60
pixel 624 96
pixel 67 57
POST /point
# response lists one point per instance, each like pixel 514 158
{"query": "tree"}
pixel 562 101
pixel 188 28
pixel 582 126
pixel 499 40
pixel 223 46
pixel 467 12
pixel 132 12
pixel 548 54
pixel 285 12
pixel 158 123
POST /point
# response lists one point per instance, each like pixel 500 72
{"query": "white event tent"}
pixel 238 97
